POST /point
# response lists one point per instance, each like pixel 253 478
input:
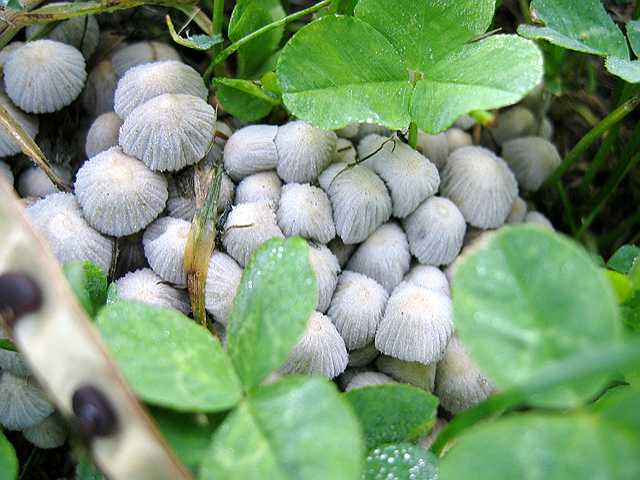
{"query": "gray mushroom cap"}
pixel 305 210
pixel 350 131
pixel 142 52
pixel 182 201
pixel 22 403
pixel 429 277
pixel 384 256
pixel 457 138
pixel 326 268
pixel 260 187
pixel 518 211
pixel 145 286
pixel 103 134
pixel 326 177
pixel 303 151
pixel 223 280
pixel 365 379
pixel 250 150
pixel 532 160
pixel 515 122
pixel 59 218
pixel 537 218
pixel 29 123
pixel 164 243
pixel 345 151
pixel 44 76
pixel 118 194
pixel 415 373
pixel 434 147
pixel 97 97
pixel 6 51
pixel 50 433
pixel 33 182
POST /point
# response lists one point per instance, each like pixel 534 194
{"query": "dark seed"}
pixel 94 413
pixel 19 296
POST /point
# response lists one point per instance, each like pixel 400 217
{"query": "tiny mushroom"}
pixel 341 251
pixel 250 150
pixel 415 373
pixel 305 210
pixel 516 122
pixel 537 218
pixel 29 124
pixel 223 280
pixel 532 160
pixel 365 379
pixel 434 147
pixel 518 211
pixel 97 97
pixel 164 243
pixel 326 268
pixel 142 52
pixel 50 433
pixel 33 182
pixel 326 177
pixel 145 286
pixel 260 187
pixel 22 403
pixel 345 151
pixel 103 134
pixel 429 277
pixel 457 138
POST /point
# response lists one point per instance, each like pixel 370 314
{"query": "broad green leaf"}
pixel 13 4
pixel 8 460
pixel 298 428
pixel 491 73
pixel 623 259
pixel 401 461
pixel 620 283
pixel 587 29
pixel 528 298
pixel 276 297
pixel 425 32
pixel 339 70
pixel 633 34
pixel 195 42
pixel 630 311
pixel 599 443
pixel 247 17
pixel 270 83
pixel 6 344
pixel 89 284
pixel 168 359
pixel 346 7
pixel 628 70
pixel 393 413
pixel 244 99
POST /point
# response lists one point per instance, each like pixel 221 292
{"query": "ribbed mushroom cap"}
pixel 345 151
pixel 459 383
pixel 43 76
pixel 320 351
pixel 97 97
pixel 434 147
pixel 82 33
pixel 363 356
pixel 326 267
pixel 457 138
pixel 260 187
pixel 415 373
pixel 164 243
pixel 365 379
pixel 11 362
pixel 539 219
pixel 360 203
pixel 248 225
pixel 103 134
pixel 33 182
pixel 513 123
pixel 145 286
pixel 223 280
pixel 356 308
pixel 341 251
pixel 303 151
pixel 350 131
pixel 59 218
pixel 532 160
pixel 142 52
pixel 50 433
pixel 250 150
pixel 384 256
pixel 365 129
pixel 150 80
pixel 481 185
pixel 6 51
pixel 169 132
pixel 417 324
pixel 305 210
pixel 429 277
pixel 518 211
pixel 182 201
pixel 29 123
pixel 410 177
pixel 6 173
pixel 329 173
pixel 118 194
pixel 435 231
pixel 22 403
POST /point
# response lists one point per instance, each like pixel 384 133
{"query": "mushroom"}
pixel 29 124
pixel 363 356
pixel 103 134
pixel 341 251
pixel 320 351
pixel 142 52
pixel 223 280
pixel 466 122
pixel 248 225
pixel 303 151
pixel 97 97
pixel 434 147
pixel 360 203
pixel 250 150
pixel 164 243
pixel 365 129
pixel 305 210
pixel 457 138
pixel 50 433
pixel 415 373
pixel 260 187
pixel 366 379
pixel 6 51
pixel 44 76
pixel 546 128
pixel 429 277
pixel 11 362
pixel 537 218
pixel 481 185
pixel 169 132
pixel 435 231
pixel 410 177
pixel 384 256
pixel 145 286
pixel 6 172
pixel 326 268
pixel 345 151
pixel 182 201
pixel 350 131
pixel 22 403
pixel 416 325
pixel 326 177
pixel 518 211
pixel 118 194
pixel 515 122
pixel 532 160
pixel 59 219
pixel 356 308
pixel 459 384
pixel 144 82
pixel 33 182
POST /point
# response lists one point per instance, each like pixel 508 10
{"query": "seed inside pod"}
pixel 320 351
pixel 532 160
pixel 142 52
pixel 260 187
pixel 118 194
pixel 414 373
pixel 223 280
pixel 416 325
pixel 50 433
pixel 8 145
pixel 164 243
pixel 481 185
pixel 43 76
pixel 97 97
pixel 435 231
pixel 326 268
pixel 22 403
pixel 33 182
pixel 103 134
pixel 384 256
pixel 144 82
pixel 303 151
pixel 305 210
pixel 429 277
pixel 250 150
pixel 360 203
pixel 145 286
pixel 366 379
pixel 59 219
pixel 356 308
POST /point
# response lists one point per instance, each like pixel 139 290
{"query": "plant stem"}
pixel 217 20
pixel 484 118
pixel 524 9
pixel 568 208
pixel 599 159
pixel 585 142
pixel 413 135
pixel 224 54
